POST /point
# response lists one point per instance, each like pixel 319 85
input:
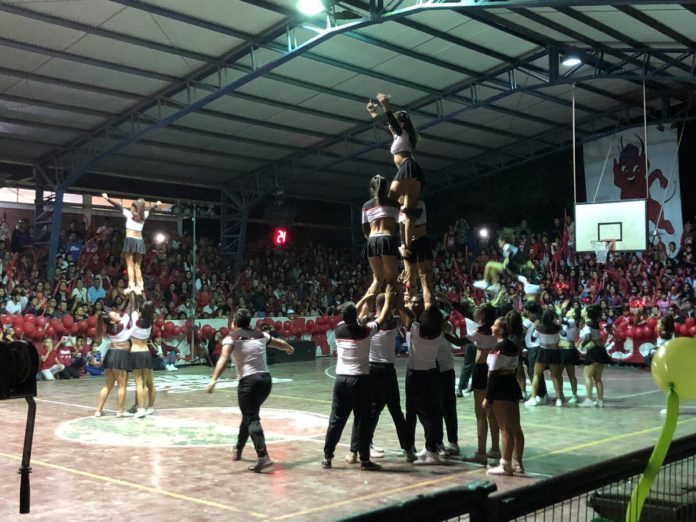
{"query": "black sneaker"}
pixel 368 465
pixel 237 454
pixel 133 409
pixel 459 393
pixel 261 464
pixel 326 463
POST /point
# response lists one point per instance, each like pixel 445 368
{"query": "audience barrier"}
pixel 596 493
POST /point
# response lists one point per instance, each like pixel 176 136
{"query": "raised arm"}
pixel 153 206
pixel 385 101
pixel 107 198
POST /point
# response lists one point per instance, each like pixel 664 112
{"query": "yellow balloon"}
pixel 675 363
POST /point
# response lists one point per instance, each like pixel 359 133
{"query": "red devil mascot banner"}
pixel 615 169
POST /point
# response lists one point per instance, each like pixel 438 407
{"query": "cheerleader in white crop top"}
pixel 119 328
pixel 409 180
pixel 503 393
pixel 140 360
pixel 418 260
pixel 569 352
pixel 379 223
pixel 134 245
pixel 596 356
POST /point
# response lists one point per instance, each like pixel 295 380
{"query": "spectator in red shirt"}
pixel 49 364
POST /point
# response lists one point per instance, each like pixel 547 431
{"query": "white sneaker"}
pixel 522 279
pixel 377 449
pixel 573 400
pixel 532 402
pixel 431 459
pixel 168 368
pixel 352 458
pixel 99 414
pixel 375 453
pixel 559 403
pixel 599 403
pixel 421 454
pixel 123 414
pixel 482 284
pixel 174 368
pixel 587 403
pixel 140 413
pixel 504 468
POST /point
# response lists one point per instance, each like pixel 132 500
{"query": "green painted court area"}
pixel 179 460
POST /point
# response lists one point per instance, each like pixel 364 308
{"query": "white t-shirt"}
pixel 353 348
pixel 133 225
pixel 445 357
pixel 422 352
pixel 382 346
pixel 248 351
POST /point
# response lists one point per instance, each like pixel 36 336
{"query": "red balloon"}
pixel 647 331
pixel 83 325
pixel 92 321
pixel 207 331
pixel 167 335
pixel 169 327
pixel 692 331
pixel 277 326
pixel 690 321
pixel 156 332
pixel 75 329
pixel 68 321
pixel 287 326
pixel 38 336
pixel 50 331
pixel 6 319
pixel 19 332
pixel 619 335
pixel 91 332
pixel 224 331
pixel 177 331
pixel 334 322
pixel 29 329
pixel 29 317
pixel 159 322
pixel 311 328
pixel 41 321
pixel 652 322
pixel 296 332
pixel 630 332
pixel 188 323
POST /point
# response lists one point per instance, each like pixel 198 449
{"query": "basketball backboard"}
pixel 624 222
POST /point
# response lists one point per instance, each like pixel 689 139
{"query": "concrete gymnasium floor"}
pixel 176 464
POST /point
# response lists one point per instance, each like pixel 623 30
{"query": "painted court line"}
pixel 459 474
pixel 134 485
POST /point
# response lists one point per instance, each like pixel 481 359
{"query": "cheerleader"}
pixel 514 262
pixel 596 356
pixel 134 245
pixel 503 393
pixel 140 360
pixel 484 340
pixel 409 180
pixel 419 260
pixel 119 328
pixel 569 352
pixel 379 222
pixel 549 335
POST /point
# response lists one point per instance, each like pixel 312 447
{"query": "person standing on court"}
pixel 248 349
pixel 353 390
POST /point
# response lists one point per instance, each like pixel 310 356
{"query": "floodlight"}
pixel 483 233
pixel 571 60
pixel 310 7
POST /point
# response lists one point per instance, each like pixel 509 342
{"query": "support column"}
pixel 241 239
pixel 56 219
pixel 234 220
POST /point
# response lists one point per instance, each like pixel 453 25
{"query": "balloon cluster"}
pixel 299 328
pixel 639 334
pixel 37 328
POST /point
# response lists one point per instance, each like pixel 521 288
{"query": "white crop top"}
pixel 372 211
pixel 591 334
pixel 505 356
pixel 548 340
pixel 422 219
pixel 401 143
pixel 134 226
pixel 570 330
pixel 482 341
pixel 125 333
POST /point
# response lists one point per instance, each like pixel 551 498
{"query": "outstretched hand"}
pixel 104 195
pixel 381 97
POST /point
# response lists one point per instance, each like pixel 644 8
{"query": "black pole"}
pixel 25 470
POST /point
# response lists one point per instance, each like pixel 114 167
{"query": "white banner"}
pixel 622 175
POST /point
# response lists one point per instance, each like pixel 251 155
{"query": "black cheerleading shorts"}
pixel 117 359
pixel 597 354
pixel 408 169
pixel 140 360
pixel 503 388
pixel 570 356
pixel 382 245
pixel 479 379
pixel 134 245
pixel 421 250
pixel 549 356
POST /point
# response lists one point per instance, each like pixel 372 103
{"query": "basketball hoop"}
pixel 602 249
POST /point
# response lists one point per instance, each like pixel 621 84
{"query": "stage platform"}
pixel 176 464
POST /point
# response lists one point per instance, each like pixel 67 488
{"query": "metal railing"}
pixel 596 493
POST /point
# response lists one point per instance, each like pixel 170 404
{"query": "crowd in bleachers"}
pixel 313 279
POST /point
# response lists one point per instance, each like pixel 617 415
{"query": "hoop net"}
pixel 602 249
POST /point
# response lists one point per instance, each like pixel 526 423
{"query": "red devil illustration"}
pixel 629 176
